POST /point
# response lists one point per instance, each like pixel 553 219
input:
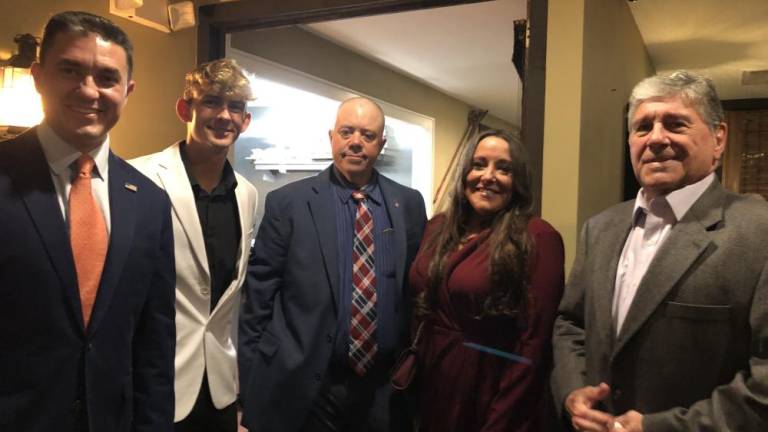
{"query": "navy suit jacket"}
pixel 289 317
pixel 53 370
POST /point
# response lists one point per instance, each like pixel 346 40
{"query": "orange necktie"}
pixel 88 234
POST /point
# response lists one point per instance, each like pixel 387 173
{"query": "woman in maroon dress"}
pixel 487 281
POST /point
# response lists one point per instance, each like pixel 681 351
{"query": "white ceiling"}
pixel 715 37
pixel 464 51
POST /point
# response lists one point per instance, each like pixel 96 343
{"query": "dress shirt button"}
pixel 205 291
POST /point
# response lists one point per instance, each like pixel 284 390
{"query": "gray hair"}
pixel 696 90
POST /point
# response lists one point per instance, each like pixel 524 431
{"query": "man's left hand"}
pixel 630 421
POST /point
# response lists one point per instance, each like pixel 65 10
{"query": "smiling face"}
pixel 489 182
pixel 357 139
pixel 671 146
pixel 213 121
pixel 83 86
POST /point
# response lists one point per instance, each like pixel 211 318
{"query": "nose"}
pixel 658 138
pixel 488 175
pixel 224 113
pixel 88 88
pixel 356 140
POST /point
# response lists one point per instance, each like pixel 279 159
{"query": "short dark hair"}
pixel 84 22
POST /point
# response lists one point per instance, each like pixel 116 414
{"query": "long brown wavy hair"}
pixel 508 238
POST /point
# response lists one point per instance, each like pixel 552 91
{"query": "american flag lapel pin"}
pixel 131 187
pixel 397 203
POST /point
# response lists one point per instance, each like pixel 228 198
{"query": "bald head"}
pixel 357 139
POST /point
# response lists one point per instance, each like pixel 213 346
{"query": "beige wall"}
pixel 595 55
pixel 160 61
pixel 313 55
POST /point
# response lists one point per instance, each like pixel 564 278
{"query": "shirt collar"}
pixel 680 200
pixel 228 181
pixel 60 154
pixel 344 188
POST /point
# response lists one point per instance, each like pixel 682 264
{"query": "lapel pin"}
pixel 131 187
pixel 397 203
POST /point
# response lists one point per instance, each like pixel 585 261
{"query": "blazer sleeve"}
pixel 742 404
pixel 154 340
pixel 569 371
pixel 516 406
pixel 264 279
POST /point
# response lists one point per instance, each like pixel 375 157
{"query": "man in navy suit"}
pixel 86 262
pixel 326 308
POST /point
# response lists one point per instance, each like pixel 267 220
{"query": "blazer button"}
pixel 616 394
pixel 77 405
pixel 318 377
pixel 328 338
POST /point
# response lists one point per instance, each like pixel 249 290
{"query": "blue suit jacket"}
pixel 120 368
pixel 289 317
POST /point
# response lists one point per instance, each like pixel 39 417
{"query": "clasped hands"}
pixel 585 418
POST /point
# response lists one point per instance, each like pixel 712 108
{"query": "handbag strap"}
pixel 417 338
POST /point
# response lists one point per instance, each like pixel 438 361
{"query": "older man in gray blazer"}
pixel 664 323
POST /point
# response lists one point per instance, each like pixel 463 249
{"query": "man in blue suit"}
pixel 326 308
pixel 86 256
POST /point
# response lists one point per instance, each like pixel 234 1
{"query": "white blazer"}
pixel 203 337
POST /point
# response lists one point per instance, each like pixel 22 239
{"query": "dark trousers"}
pixel 350 403
pixel 205 417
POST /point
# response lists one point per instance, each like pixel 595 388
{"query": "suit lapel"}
pixel 613 237
pixel 39 196
pixel 243 211
pixel 122 210
pixel 395 211
pixel 687 240
pixel 323 216
pixel 175 181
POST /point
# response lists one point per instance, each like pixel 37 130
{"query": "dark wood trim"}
pixel 532 122
pixel 248 15
pixel 745 104
pixel 216 20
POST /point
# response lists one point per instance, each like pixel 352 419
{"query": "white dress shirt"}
pixel 62 157
pixel 652 223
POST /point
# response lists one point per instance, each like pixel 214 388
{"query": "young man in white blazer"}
pixel 213 217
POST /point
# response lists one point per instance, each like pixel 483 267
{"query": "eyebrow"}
pixel 81 65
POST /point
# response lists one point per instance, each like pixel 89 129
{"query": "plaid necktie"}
pixel 88 235
pixel 362 328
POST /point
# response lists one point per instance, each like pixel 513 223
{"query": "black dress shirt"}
pixel 384 264
pixel 220 222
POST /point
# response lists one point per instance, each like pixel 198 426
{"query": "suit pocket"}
pixel 697 312
pixel 268 345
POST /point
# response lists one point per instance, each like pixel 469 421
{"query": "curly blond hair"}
pixel 223 77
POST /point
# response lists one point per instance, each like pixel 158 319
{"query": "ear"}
pixel 183 110
pixel 383 143
pixel 246 122
pixel 330 135
pixel 721 139
pixel 130 88
pixel 37 76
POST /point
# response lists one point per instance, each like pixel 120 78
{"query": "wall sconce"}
pixel 20 105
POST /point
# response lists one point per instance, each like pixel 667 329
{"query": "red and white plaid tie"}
pixel 362 328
